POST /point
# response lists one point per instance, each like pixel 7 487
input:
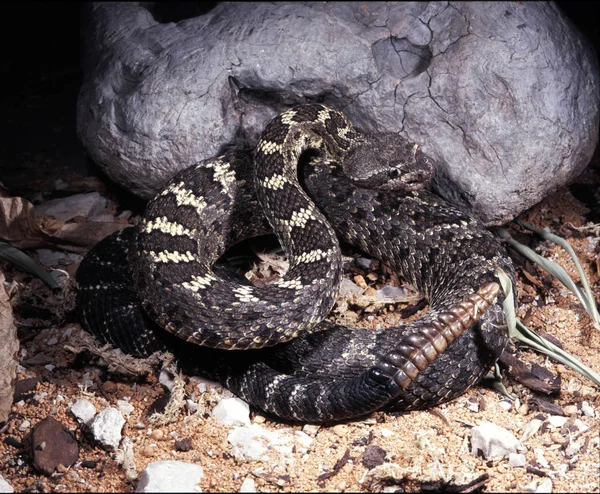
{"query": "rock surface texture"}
pixel 503 96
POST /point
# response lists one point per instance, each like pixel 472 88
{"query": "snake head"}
pixel 387 162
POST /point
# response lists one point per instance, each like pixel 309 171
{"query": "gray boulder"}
pixel 503 96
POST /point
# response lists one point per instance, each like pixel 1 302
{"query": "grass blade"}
pixel 25 263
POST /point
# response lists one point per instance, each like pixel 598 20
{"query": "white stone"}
pixel 587 409
pixel 311 429
pixel 391 292
pixel 66 208
pixel 493 441
pixel 555 421
pixel 191 405
pixel 544 486
pixel 304 441
pixel 125 407
pixel 530 429
pixel 23 426
pixel 167 379
pixel 516 460
pixel 107 426
pixel 386 433
pixel 5 486
pixel 505 405
pixel 232 412
pixel 248 485
pixel 83 410
pixel 256 443
pixel 540 458
pixel 349 288
pixel 581 426
pixel 170 476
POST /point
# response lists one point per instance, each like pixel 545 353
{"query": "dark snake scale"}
pixel 157 286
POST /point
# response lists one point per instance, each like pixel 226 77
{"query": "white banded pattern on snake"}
pixel 325 372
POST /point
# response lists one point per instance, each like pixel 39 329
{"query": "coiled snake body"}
pixel 269 344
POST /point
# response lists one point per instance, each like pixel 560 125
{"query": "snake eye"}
pixel 394 173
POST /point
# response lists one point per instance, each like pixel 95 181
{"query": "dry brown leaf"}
pixel 21 227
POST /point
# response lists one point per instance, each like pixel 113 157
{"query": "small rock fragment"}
pixel 349 288
pixel 167 379
pixel 48 257
pixel 516 460
pixel 587 409
pixel 530 429
pixel 83 410
pixel 544 486
pixel 125 407
pixel 363 262
pixel 373 456
pixel 570 410
pixel 52 445
pixel 340 430
pixel 158 435
pixel 311 429
pixel 505 405
pixel 255 443
pixel 106 428
pixel 248 485
pixel 360 281
pixel 170 476
pixel 493 441
pixel 24 387
pixel 191 406
pixel 232 412
pixel 66 208
pixel 6 487
pixel 391 292
pixel 555 421
pixel 23 426
pixel 184 444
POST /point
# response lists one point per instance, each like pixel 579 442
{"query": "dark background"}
pixel 41 76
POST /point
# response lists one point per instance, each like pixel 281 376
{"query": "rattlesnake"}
pixel 269 344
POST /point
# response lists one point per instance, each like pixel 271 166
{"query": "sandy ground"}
pixel 426 449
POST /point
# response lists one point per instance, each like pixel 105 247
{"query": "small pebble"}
pixel 311 429
pixel 524 409
pixel 191 405
pixel 125 407
pixel 23 426
pixel 370 292
pixel 587 409
pixel 360 281
pixel 52 341
pixel 386 433
pixel 505 405
pixel 555 421
pixel 148 451
pixel 570 410
pixel 259 419
pixel 363 262
pixel 516 460
pixel 184 444
pixel 158 434
pixel 372 276
pixel 340 430
pixel 248 485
